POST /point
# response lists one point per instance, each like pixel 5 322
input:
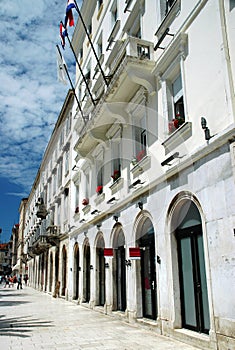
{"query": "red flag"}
pixel 63 34
pixel 69 13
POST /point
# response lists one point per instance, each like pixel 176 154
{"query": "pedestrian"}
pixel 6 282
pixel 57 290
pixel 19 280
pixel 25 279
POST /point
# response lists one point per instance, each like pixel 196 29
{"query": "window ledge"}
pixel 99 11
pixel 177 137
pixel 117 185
pixel 86 209
pixel 141 166
pixel 76 216
pixel 169 18
pixel 100 198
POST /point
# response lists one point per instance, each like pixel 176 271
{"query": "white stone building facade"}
pixel 145 210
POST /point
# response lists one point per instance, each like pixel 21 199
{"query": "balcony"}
pixel 41 211
pixel 43 238
pixel 134 57
pixel 129 66
pixel 38 244
pixel 53 233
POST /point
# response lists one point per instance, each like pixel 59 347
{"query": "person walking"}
pixel 25 279
pixel 19 280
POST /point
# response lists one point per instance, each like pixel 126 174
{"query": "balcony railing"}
pixel 132 47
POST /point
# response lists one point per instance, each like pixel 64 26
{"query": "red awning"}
pixel 134 253
pixel 108 252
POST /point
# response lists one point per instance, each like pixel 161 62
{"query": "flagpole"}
pixel 79 66
pixel 71 83
pixel 97 59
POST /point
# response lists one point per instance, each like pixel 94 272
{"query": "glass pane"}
pixel 188 283
pixel 205 304
pixel 147 283
pixel 177 86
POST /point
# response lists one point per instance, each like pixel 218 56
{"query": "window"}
pixel 114 14
pixel 176 117
pixel 68 123
pixel 60 174
pixel 100 177
pixel 168 5
pixel 140 139
pixel 89 28
pixel 61 142
pixel 49 190
pixel 76 198
pixel 100 3
pixel 116 161
pixel 231 4
pixel 81 54
pixel 54 184
pixel 66 163
pixel 135 30
pixel 99 47
pixel 58 214
pixel 87 184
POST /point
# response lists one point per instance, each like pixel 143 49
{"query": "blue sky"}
pixel 30 96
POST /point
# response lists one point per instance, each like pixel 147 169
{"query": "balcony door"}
pixel 119 271
pixel 148 270
pixel 100 272
pixel 192 273
pixel 76 273
pixel 86 273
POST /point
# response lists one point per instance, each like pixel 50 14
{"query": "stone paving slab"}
pixel 32 320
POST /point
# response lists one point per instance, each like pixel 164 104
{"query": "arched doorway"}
pixel 119 270
pixel 146 241
pixel 46 270
pixel 41 277
pixel 57 265
pixel 64 270
pixel 100 271
pixel 51 273
pixel 86 272
pixel 187 226
pixel 76 272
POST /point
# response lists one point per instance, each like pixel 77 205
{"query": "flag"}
pixel 70 5
pixel 61 71
pixel 69 13
pixel 63 34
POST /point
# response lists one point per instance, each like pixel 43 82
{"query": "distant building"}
pixel 5 258
pixel 133 206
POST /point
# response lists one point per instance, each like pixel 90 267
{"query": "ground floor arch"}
pixel 189 270
pixel 119 269
pixel 86 271
pixel 146 268
pixel 100 270
pixel 64 270
pixel 76 270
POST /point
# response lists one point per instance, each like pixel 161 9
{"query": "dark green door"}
pixel 148 274
pixel 193 286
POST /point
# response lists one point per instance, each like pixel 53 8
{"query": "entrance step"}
pixel 200 340
pixel 149 324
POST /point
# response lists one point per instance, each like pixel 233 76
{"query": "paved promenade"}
pixel 32 320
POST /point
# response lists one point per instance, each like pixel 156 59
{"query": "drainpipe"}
pixel 226 55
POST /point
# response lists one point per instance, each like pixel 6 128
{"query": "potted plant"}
pixel 85 201
pixel 99 189
pixel 116 175
pixel 141 155
pixel 175 123
pixel 134 161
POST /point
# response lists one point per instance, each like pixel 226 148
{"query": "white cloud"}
pixel 30 95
